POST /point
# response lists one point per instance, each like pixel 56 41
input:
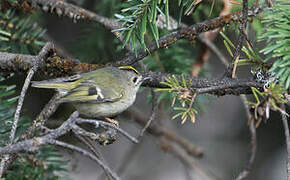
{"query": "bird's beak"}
pixel 146 79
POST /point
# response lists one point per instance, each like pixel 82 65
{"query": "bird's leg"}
pixel 116 123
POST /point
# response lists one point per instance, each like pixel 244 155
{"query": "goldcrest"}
pixel 105 92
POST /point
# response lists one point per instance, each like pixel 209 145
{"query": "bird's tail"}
pixel 58 83
pixel 53 85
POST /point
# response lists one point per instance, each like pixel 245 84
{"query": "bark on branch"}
pixel 55 66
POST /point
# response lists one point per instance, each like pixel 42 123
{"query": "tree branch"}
pixel 178 152
pixel 152 116
pixel 32 145
pixel 54 66
pixel 207 44
pixel 218 87
pixel 159 131
pixel 38 61
pixel 186 32
pixel 44 115
pixel 88 154
pixel 62 8
pixel 76 13
pixel 245 172
pixel 65 9
pixel 242 36
pixel 105 124
pixel 249 165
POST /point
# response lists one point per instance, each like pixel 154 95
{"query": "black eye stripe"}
pixel 135 79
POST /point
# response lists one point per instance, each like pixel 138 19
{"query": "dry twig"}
pixel 186 32
pixel 38 61
pixel 245 172
pixel 159 132
pixel 207 44
pixel 17 62
pixel 44 115
pixel 153 114
pixel 93 149
pixel 88 154
pixel 178 152
pixel 105 125
pixel 242 36
pixel 62 8
pixel 32 145
pixel 252 129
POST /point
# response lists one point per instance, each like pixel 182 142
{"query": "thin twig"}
pixel 130 154
pixel 253 135
pixel 223 87
pixel 165 41
pixel 76 13
pixel 106 137
pixel 44 115
pixel 287 136
pixel 46 112
pixel 45 50
pixel 190 31
pixel 80 131
pixel 20 102
pixel 88 154
pixel 9 61
pixel 127 159
pixel 32 145
pixel 159 131
pixel 245 172
pixel 242 28
pixel 31 72
pixel 207 44
pixel 17 115
pixel 235 66
pixel 214 49
pixel 89 145
pixel 178 152
pixel 153 114
pixel 93 149
pixel 105 124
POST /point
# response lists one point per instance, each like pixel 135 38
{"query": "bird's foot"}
pixel 116 123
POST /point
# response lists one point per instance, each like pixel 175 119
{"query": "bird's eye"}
pixel 135 79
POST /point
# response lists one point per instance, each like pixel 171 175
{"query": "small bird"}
pixel 102 93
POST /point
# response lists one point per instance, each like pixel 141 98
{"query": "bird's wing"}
pixel 95 86
pixel 91 91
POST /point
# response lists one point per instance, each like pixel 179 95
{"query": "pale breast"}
pixel 107 109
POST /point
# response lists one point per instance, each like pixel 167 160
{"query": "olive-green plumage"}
pixel 104 92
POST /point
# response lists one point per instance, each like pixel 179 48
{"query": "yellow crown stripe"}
pixel 130 68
